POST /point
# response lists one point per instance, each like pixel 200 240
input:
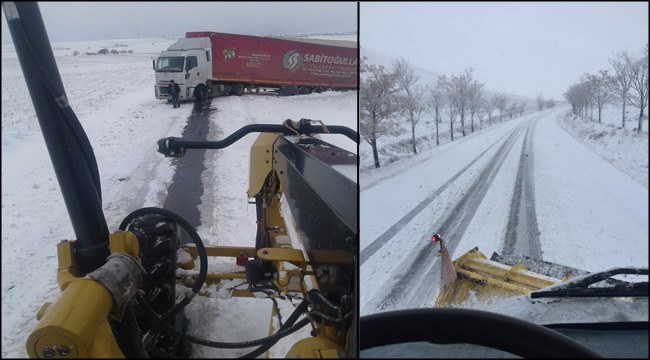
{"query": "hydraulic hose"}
pixel 172 146
pixel 265 343
pixel 72 156
pixel 289 327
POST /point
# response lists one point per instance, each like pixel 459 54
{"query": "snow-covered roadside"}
pixel 591 215
pixel 623 148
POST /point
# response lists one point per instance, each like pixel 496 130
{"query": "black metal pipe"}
pixel 172 146
pixel 70 151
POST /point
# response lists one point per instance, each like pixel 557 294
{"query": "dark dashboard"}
pixel 463 333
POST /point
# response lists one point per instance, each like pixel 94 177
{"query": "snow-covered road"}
pixel 524 187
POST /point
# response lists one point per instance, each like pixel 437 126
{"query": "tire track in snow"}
pixel 382 239
pixel 186 188
pixel 417 286
pixel 522 234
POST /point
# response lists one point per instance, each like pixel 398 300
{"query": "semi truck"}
pixel 206 64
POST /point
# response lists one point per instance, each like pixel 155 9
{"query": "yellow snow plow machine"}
pixel 499 276
pixel 123 293
pixel 473 275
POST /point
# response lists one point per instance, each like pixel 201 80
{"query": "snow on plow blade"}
pixel 500 276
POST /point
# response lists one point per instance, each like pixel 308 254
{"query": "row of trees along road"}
pixel 390 95
pixel 627 81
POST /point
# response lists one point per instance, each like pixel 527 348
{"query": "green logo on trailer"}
pixel 229 53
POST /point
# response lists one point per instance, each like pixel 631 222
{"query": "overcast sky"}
pixel 523 48
pixel 68 21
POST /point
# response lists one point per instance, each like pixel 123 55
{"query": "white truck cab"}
pixel 188 63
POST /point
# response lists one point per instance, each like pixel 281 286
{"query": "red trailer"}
pixel 267 61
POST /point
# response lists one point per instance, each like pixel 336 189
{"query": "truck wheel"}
pixel 199 93
pixel 159 240
pixel 238 89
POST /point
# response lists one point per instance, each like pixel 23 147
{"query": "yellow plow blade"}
pixel 484 278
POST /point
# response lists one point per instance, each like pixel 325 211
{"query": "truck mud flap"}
pixel 289 90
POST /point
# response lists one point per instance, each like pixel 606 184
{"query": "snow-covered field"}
pixel 113 98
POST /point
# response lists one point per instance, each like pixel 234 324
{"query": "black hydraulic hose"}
pixel 68 146
pixel 313 295
pixel 300 309
pixel 253 354
pixel 165 144
pixel 266 343
pixel 275 302
pixel 129 334
pixel 317 315
pixel 262 349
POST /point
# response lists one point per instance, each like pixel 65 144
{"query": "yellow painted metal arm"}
pixel 76 324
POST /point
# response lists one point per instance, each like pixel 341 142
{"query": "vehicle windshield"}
pixel 170 64
pixel 515 143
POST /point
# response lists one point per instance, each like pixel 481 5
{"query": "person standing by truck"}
pixel 174 91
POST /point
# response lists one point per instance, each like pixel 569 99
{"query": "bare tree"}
pixel 601 85
pixel 588 94
pixel 488 108
pixel 450 105
pixel 638 95
pixel 521 108
pixel 550 103
pixel 622 80
pixel 573 96
pixel 540 102
pixel 512 110
pixel 481 113
pixel 578 95
pixel 475 96
pixel 411 101
pixel 501 103
pixel 437 102
pixel 377 106
pixel 460 89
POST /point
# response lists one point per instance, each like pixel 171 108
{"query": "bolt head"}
pixel 63 350
pixel 48 352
